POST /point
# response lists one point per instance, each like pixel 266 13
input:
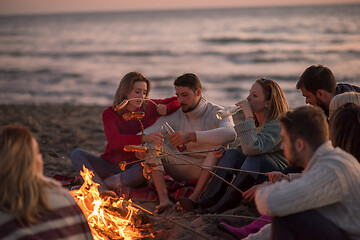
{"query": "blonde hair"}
pixel 341 99
pixel 276 97
pixel 22 188
pixel 126 85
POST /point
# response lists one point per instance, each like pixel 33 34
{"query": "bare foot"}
pixel 163 206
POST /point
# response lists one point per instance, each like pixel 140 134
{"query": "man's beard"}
pixel 188 110
pixel 295 157
pixel 320 104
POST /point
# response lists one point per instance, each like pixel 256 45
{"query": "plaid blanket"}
pixel 175 190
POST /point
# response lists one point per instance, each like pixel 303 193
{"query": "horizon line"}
pixel 22 14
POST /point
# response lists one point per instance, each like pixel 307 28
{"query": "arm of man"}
pixel 224 134
pixel 317 188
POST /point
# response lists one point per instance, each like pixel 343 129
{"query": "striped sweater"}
pixel 65 221
pixel 330 184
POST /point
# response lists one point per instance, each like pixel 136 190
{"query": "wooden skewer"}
pixel 125 102
pixel 219 167
pixel 167 219
pixel 220 215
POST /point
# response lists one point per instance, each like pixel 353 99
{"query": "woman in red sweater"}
pixel 120 133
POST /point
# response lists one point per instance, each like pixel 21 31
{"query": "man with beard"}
pixel 198 129
pixel 318 86
pixel 322 203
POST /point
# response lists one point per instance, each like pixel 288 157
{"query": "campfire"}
pixel 108 217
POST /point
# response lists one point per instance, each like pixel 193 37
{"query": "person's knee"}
pixel 135 180
pixel 231 152
pixel 76 156
pixel 252 163
pixel 230 156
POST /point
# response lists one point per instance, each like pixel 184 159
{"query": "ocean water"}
pixel 80 58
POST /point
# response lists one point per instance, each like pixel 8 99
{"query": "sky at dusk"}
pixel 60 6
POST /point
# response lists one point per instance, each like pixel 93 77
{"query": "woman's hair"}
pixel 276 97
pixel 126 85
pixel 341 99
pixel 345 129
pixel 22 188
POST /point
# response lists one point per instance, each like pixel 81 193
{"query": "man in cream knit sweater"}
pixel 196 127
pixel 322 203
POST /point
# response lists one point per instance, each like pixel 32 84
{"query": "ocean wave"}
pixel 43 75
pixel 231 40
pixel 78 54
pixel 246 59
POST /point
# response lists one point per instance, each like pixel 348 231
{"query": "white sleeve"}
pixel 224 134
pixel 159 122
pixel 317 188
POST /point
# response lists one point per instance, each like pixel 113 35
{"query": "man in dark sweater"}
pixel 318 86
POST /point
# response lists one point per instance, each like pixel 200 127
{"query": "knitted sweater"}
pixel 64 221
pixel 209 130
pixel 330 184
pixel 120 132
pixel 266 141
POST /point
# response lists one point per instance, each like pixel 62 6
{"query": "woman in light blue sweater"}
pixel 259 149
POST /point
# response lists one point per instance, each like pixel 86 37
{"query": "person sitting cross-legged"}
pixel 324 202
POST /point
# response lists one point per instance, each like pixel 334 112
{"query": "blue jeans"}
pixel 131 177
pixel 234 158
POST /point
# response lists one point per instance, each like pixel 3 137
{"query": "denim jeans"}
pixel 234 158
pixel 131 177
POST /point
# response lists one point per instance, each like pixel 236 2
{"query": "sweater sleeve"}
pixel 315 189
pixel 115 138
pixel 253 143
pixel 172 104
pixel 224 134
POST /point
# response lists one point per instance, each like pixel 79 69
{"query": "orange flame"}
pixel 105 215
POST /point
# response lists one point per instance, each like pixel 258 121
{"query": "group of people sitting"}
pixel 307 185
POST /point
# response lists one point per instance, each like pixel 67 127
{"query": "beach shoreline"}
pixel 59 129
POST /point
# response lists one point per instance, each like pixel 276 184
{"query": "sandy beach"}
pixel 60 129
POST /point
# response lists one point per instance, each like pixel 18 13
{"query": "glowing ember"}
pixel 108 218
